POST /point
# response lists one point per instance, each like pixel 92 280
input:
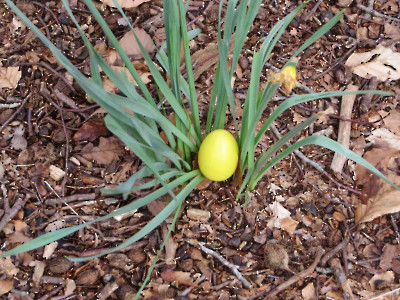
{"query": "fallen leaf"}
pixel 6 286
pixel 383 138
pixel 124 3
pixel 381 281
pixel 392 122
pixel 9 77
pixel 49 250
pixel 392 30
pixel 289 225
pixel 308 292
pixel 108 150
pixel 18 142
pixel 381 62
pixel 131 47
pixel 70 287
pixel 181 277
pixel 90 131
pixel 389 253
pixel 38 270
pixel 7 267
pixel 281 218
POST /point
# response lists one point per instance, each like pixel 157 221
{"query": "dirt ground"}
pixel 303 235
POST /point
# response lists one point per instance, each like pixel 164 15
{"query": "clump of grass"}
pixel 135 116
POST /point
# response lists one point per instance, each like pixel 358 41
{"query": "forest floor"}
pixel 306 234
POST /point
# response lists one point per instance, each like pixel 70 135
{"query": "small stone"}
pixel 59 265
pixel 56 173
pixel 198 214
pixel 87 277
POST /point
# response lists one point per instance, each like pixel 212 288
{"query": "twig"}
pixel 16 112
pixel 383 295
pixel 336 63
pixel 65 179
pixel 341 278
pixel 10 105
pixel 395 227
pixel 72 198
pixel 376 14
pixel 52 70
pixel 10 213
pixel 313 10
pixel 346 109
pixel 316 165
pixel 232 267
pixel 293 279
pixel 333 252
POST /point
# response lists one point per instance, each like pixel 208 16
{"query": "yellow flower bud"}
pixel 286 77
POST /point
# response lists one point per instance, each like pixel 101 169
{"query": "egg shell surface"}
pixel 218 155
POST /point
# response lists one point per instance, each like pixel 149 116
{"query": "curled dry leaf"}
pixel 379 197
pixel 381 62
pixel 281 218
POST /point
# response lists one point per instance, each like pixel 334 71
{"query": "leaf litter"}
pixel 238 235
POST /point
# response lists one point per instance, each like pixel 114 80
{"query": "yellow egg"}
pixel 218 155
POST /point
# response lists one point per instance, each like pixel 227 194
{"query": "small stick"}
pixel 346 109
pixel 72 198
pixel 376 14
pixel 232 267
pixel 333 252
pixel 293 279
pixel 10 213
pixel 396 228
pixel 341 278
pixel 16 112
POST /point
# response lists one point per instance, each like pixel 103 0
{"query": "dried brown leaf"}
pixel 392 122
pixel 9 77
pixel 131 47
pixel 381 62
pixel 308 292
pixel 379 197
pixel 389 253
pixel 383 138
pixel 90 131
pixel 6 286
pixel 7 267
pixel 108 150
pixel 181 277
pixel 381 281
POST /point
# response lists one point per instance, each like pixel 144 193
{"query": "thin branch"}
pixel 16 112
pixel 293 279
pixel 226 263
pixel 10 213
pixel 377 14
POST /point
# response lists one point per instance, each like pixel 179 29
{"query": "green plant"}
pixel 136 119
